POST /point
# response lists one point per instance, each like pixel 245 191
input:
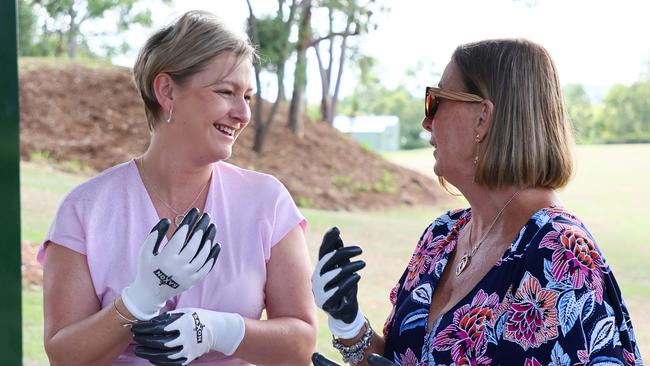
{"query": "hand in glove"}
pixel 373 360
pixel 334 284
pixel 188 257
pixel 180 336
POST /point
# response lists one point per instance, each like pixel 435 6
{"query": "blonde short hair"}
pixel 182 49
pixel 529 142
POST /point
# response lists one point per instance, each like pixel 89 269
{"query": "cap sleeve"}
pixel 67 229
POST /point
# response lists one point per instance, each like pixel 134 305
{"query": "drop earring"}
pixel 478 142
pixel 171 111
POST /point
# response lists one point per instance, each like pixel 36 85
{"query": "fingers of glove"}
pixel 195 237
pixel 182 233
pixel 344 272
pixel 331 241
pixel 341 256
pixel 318 284
pixel 191 248
pixel 156 341
pixel 189 220
pixel 344 288
pixel 205 246
pixel 318 271
pixel 156 235
pixel 160 357
pixel 319 360
pixel 155 325
pixel 377 360
pixel 212 258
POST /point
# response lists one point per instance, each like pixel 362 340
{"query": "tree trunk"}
pixel 73 32
pixel 300 75
pixel 331 112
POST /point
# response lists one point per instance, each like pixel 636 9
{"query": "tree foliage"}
pixel 623 116
pixel 61 24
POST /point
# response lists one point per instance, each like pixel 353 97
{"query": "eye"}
pixel 225 92
pixel 248 98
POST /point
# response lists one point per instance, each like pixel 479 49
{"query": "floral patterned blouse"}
pixel 550 300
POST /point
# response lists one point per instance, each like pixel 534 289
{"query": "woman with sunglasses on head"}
pixel 515 279
pixel 109 298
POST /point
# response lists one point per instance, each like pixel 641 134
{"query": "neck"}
pixel 175 176
pixel 486 205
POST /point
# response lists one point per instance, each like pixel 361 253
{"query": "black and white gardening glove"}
pixel 178 337
pixel 188 257
pixel 334 284
pixel 373 360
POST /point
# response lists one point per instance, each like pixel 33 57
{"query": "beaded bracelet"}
pixel 356 352
pixel 129 322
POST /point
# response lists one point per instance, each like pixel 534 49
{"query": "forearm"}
pixel 96 340
pixel 278 341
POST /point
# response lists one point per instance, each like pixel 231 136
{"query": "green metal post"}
pixel 10 318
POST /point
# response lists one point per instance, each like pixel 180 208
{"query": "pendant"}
pixel 178 220
pixel 462 264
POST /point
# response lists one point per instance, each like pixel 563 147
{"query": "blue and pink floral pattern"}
pixel 550 300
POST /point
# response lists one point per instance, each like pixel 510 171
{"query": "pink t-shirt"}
pixel 108 217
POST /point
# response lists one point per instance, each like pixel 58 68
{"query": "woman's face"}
pixel 212 108
pixel 453 132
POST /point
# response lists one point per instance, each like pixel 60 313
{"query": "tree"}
pixel 626 113
pixel 27 28
pixel 581 113
pixel 61 31
pixel 271 34
pixel 300 74
pixel 356 17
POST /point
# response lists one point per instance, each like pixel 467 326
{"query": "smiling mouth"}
pixel 226 130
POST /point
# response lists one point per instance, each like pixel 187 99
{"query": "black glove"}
pixel 152 338
pixel 182 335
pixel 373 360
pixel 335 284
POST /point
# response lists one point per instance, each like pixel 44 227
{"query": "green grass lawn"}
pixel 609 192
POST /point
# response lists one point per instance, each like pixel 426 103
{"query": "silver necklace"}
pixel 467 257
pixel 178 219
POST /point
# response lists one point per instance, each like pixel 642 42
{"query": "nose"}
pixel 426 123
pixel 241 111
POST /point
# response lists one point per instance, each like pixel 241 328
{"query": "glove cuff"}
pixel 131 301
pixel 343 330
pixel 228 330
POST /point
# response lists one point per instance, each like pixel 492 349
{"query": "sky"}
pixel 595 43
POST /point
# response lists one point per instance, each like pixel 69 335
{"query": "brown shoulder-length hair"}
pixel 529 142
pixel 182 49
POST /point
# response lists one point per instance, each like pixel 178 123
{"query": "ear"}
pixel 163 86
pixel 485 118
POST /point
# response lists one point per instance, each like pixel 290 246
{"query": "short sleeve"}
pixel 66 229
pixel 285 216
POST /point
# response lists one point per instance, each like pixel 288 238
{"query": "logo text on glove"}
pixel 164 279
pixel 198 327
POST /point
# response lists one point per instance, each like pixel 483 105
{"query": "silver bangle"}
pixel 129 322
pixel 356 352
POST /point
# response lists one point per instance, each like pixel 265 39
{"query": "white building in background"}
pixel 380 133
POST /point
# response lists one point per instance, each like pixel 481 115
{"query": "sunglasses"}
pixel 433 96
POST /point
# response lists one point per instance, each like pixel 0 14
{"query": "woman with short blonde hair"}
pixel 115 289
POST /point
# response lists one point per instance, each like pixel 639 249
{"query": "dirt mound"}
pixel 96 117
